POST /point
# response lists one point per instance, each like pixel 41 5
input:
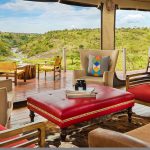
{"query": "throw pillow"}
pixel 98 65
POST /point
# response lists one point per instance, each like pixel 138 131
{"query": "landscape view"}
pixel 34 48
pixel 31 32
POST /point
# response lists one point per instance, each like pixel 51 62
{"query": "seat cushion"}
pixel 142 133
pixel 56 107
pixel 46 67
pixel 141 92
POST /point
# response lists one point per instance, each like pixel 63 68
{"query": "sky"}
pixel 36 17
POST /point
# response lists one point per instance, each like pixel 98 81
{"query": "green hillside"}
pixel 16 39
pixel 72 40
pixel 4 49
pixel 136 41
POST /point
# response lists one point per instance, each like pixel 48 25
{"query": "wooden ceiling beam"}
pixel 131 4
pixel 85 3
pixel 122 4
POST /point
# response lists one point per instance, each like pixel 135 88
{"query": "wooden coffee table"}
pixel 55 107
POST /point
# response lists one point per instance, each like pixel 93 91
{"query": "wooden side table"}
pixel 30 71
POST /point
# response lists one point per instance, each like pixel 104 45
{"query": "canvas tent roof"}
pixel 122 4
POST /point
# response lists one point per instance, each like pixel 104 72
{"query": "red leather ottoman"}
pixel 55 107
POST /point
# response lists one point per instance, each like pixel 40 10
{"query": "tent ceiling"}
pixel 122 4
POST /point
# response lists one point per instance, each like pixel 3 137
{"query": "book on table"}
pixel 72 93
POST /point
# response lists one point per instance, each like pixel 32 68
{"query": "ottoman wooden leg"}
pixel 129 114
pixel 32 115
pixel 63 134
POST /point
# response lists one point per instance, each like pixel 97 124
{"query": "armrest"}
pixel 136 78
pixel 34 131
pixel 107 138
pixel 108 78
pixel 3 106
pixel 78 74
pixel 7 84
pixel 138 74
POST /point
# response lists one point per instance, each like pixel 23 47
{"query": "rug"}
pixel 79 133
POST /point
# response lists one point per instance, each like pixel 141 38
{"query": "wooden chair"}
pixel 30 135
pixel 6 101
pixel 55 67
pixel 9 69
pixel 139 85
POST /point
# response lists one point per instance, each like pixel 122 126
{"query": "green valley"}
pixel 36 46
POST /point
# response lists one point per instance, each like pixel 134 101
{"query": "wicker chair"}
pixel 108 76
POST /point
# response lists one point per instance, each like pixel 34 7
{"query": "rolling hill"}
pixel 136 41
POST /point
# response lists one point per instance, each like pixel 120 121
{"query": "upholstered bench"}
pixel 55 107
pixel 141 93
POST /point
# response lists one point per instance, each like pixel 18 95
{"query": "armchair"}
pixel 6 101
pixel 108 76
pixel 106 138
pixel 30 135
pixel 139 85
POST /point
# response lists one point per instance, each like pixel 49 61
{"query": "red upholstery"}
pixel 141 92
pixel 14 144
pixel 64 112
pixel 2 128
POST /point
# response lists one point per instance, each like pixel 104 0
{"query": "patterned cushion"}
pixel 97 65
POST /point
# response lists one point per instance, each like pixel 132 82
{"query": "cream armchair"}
pixel 6 101
pixel 108 76
pixel 107 138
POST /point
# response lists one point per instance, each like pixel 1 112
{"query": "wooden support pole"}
pixel 64 59
pixel 124 63
pixel 148 62
pixel 108 19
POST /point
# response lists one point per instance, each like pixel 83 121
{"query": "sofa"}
pixel 139 137
pixel 6 101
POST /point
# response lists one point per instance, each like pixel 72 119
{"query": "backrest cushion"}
pixel 112 53
pixel 98 65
